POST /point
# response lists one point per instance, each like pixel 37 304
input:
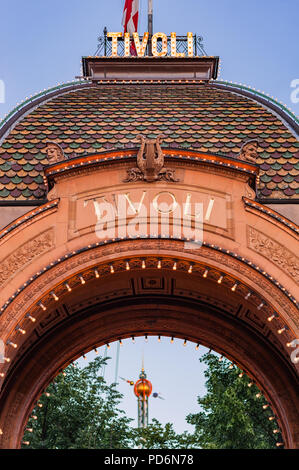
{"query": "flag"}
pixel 130 16
pixel 130 19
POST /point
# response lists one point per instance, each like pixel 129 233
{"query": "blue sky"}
pixel 41 44
pixel 173 369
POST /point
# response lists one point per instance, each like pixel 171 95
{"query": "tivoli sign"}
pixel 141 46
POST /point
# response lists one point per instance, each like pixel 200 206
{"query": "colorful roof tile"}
pixel 91 118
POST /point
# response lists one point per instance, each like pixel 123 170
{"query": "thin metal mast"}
pixel 104 365
pixel 117 362
pixel 150 17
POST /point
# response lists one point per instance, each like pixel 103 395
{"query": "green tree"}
pixel 79 410
pixel 232 415
pixel 157 436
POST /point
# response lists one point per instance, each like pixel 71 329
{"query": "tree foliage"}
pixel 157 436
pixel 232 414
pixel 79 410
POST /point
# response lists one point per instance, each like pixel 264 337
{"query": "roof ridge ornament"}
pixel 150 163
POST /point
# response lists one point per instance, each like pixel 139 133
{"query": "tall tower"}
pixel 142 390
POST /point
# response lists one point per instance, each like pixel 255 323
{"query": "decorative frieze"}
pixel 25 254
pixel 274 251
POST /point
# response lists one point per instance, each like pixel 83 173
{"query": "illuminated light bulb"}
pixel 171 340
pixel 174 52
pixel 278 444
pixel 31 318
pixel 108 346
pixel 155 38
pixel 265 407
pixel 290 344
pixel 68 286
pixel 82 279
pixel 7 359
pixel 234 287
pixel 241 374
pixel 96 273
pixel 247 296
pixel 281 330
pixel 205 274
pixel 42 306
pixel 159 339
pixel 231 366
pixel 114 37
pixel 133 339
pixel 174 267
pixel 48 394
pixel 190 269
pixel 185 343
pixel 13 345
pixel 271 317
pixel 1 432
pixel 127 266
pixel 258 395
pixel 64 374
pixel 96 351
pixel 127 44
pixel 84 357
pixel 190 44
pixel 197 346
pixel 143 264
pixel 140 48
pixel 250 384
pixel 159 265
pixel 21 330
pixel 29 429
pixel 34 417
pixel 40 405
pixel 220 279
pixel 271 418
pixel 275 431
pixel 220 358
pixel 120 342
pixel 111 269
pixel 54 296
pixel 26 443
pixel 260 305
pixel 2 375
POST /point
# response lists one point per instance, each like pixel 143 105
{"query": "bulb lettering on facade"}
pixel 142 46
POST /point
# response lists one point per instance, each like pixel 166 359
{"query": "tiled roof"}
pixel 94 118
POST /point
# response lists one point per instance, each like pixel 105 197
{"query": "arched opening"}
pixel 85 306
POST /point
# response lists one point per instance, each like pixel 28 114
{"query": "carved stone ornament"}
pixel 274 251
pixel 25 254
pixel 54 152
pixel 249 151
pixel 150 163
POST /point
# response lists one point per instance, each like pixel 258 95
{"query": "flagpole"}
pixel 150 17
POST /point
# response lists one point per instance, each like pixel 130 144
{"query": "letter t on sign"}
pixel 114 37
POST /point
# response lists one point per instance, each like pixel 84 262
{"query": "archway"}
pixel 69 291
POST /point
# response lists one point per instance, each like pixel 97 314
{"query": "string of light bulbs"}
pixel 235 285
pixel 232 365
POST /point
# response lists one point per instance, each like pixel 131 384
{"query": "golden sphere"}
pixel 143 387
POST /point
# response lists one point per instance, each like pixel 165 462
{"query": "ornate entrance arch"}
pixel 65 290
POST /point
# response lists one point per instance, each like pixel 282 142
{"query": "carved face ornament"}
pixel 54 152
pixel 249 151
